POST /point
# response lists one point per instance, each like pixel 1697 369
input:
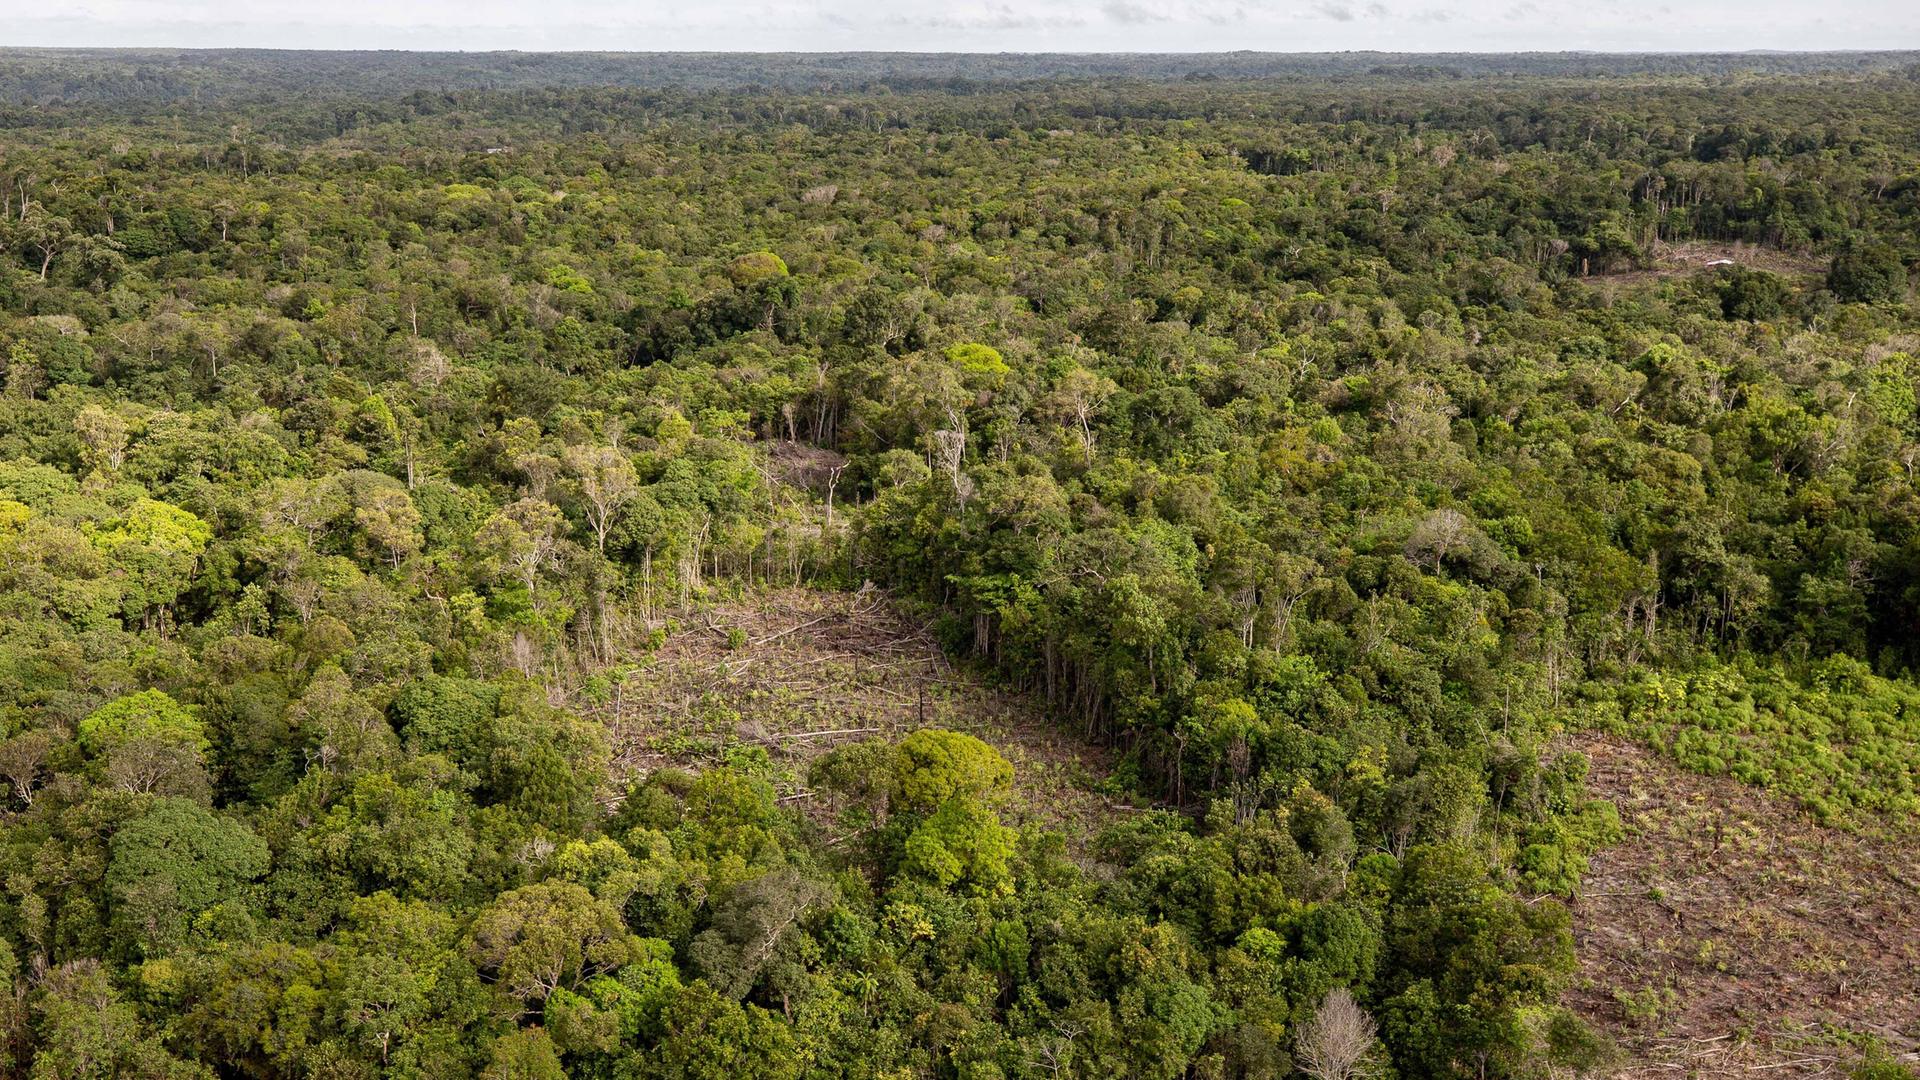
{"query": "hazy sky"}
pixel 973 25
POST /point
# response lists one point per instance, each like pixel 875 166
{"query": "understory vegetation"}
pixel 1325 449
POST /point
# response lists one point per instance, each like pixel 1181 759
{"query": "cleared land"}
pixel 1730 935
pixel 799 671
pixel 1693 256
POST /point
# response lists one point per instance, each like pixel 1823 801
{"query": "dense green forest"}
pixel 1326 438
pixel 173 77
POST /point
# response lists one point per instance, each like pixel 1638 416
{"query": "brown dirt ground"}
pixel 1694 256
pixel 820 669
pixel 1729 935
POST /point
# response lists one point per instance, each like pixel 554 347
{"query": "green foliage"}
pixel 375 517
pixel 1753 295
pixel 551 936
pixel 173 861
pixel 755 268
pixel 147 715
pixel 1866 273
pixel 91 1034
pixel 1465 962
pixel 542 762
pixel 1553 855
pixel 1879 1065
pixel 523 1054
pixel 446 715
pixel 962 842
pixel 1840 741
pixel 708 1037
pixel 933 767
pixel 748 926
pixel 980 365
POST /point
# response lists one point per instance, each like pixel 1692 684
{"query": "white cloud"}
pixel 974 25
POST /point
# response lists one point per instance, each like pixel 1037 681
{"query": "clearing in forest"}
pixel 1729 934
pixel 1679 259
pixel 800 671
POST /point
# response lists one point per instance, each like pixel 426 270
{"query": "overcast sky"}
pixel 972 25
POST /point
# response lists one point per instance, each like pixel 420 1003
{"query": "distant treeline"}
pixel 51 76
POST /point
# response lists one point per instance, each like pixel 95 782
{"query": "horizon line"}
pixel 9 48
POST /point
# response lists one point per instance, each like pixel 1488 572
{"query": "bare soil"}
pixel 1730 935
pixel 1694 256
pixel 800 671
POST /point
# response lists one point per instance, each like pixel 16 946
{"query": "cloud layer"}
pixel 975 26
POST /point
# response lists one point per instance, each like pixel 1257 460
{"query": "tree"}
pixel 148 743
pixel 398 954
pixel 157 767
pixel 708 1037
pixel 1464 960
pixel 342 730
pixel 172 862
pixel 1867 273
pixel 755 268
pixel 443 714
pixel 390 520
pixel 1335 1042
pixel 981 367
pixel 934 766
pixel 523 538
pixel 1078 399
pixel 148 714
pixel 962 842
pixel 307 508
pixel 550 936
pixel 749 924
pixel 543 762
pixel 256 1006
pixel 1289 578
pixel 523 1054
pixel 47 235
pixel 606 482
pixel 90 1034
pixel 1441 533
pixel 159 545
pixel 105 435
pixel 1753 295
pixel 866 772
pixel 24 760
